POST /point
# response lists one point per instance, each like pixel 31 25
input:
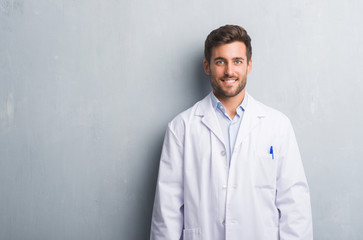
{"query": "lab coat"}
pixel 259 196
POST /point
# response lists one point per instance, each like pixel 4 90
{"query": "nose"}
pixel 228 70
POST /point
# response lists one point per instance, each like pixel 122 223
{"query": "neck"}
pixel 232 103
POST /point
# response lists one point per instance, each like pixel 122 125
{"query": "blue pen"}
pixel 272 152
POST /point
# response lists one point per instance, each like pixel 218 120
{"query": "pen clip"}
pixel 272 152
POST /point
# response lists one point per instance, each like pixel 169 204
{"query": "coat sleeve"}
pixel 292 196
pixel 168 211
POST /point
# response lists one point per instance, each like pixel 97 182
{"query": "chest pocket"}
pixel 265 171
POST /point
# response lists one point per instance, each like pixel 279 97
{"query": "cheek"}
pixel 218 72
pixel 242 71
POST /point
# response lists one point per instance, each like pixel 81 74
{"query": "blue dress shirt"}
pixel 228 125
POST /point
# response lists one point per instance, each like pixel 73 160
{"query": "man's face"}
pixel 228 69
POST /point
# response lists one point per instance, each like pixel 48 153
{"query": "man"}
pixel 230 166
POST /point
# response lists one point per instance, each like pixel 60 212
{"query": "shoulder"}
pixel 184 118
pixel 267 112
pixel 190 118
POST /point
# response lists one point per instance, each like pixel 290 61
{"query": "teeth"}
pixel 229 81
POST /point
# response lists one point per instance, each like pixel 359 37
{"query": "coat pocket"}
pixel 192 234
pixel 265 171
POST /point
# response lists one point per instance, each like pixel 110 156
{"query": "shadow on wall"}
pixel 202 79
pixel 201 87
pixel 146 193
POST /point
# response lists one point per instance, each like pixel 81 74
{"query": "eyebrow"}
pixel 235 58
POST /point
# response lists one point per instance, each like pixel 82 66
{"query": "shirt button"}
pixel 223 153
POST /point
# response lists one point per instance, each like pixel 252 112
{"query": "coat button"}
pixel 223 153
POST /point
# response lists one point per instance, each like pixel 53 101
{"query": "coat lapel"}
pixel 209 118
pixel 251 118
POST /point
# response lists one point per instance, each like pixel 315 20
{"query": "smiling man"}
pixel 228 67
pixel 230 166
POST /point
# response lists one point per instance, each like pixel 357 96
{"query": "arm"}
pixel 293 198
pixel 168 212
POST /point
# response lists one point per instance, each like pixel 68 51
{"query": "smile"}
pixel 229 80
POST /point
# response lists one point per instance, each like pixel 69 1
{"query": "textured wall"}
pixel 88 86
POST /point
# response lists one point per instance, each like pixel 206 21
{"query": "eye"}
pixel 219 62
pixel 238 62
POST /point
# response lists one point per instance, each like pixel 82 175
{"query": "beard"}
pixel 218 90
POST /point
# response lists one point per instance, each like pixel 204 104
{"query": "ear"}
pixel 249 66
pixel 206 67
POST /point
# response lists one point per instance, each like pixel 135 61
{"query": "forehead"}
pixel 230 50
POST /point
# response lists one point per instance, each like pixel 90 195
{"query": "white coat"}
pixel 257 197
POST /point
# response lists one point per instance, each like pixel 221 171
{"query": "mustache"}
pixel 229 76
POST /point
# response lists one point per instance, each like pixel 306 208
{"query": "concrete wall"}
pixel 87 88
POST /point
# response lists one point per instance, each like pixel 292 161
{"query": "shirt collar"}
pixel 218 105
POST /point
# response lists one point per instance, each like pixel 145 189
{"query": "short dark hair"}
pixel 227 34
